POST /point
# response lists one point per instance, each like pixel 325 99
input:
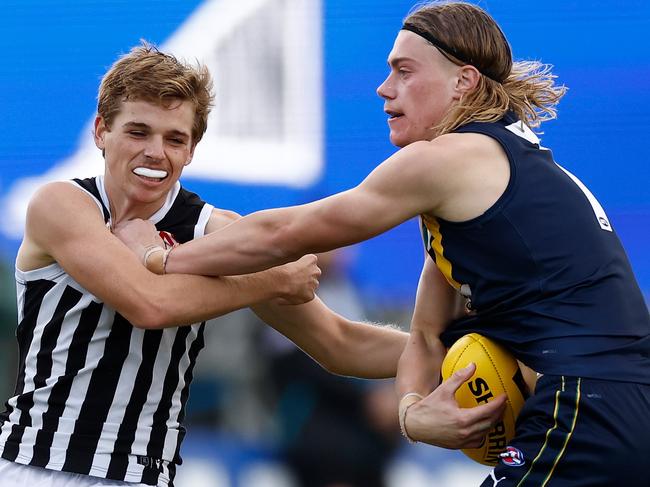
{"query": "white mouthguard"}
pixel 150 173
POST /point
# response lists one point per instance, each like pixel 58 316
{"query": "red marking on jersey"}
pixel 168 239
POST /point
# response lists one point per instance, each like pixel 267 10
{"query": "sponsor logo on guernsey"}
pixel 512 457
pixel 150 463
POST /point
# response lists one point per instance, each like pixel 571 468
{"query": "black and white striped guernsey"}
pixel 95 395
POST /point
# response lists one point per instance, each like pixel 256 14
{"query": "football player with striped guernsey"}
pixel 519 250
pixel 105 365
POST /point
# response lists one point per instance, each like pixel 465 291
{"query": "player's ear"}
pixel 99 132
pixel 191 155
pixel 467 80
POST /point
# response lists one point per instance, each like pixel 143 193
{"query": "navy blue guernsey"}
pixel 543 270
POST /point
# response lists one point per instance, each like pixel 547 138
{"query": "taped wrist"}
pixel 154 259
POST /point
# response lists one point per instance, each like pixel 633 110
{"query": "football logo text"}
pixel 497 436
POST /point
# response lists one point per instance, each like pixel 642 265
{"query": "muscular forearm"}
pixel 271 237
pixel 341 346
pixel 419 365
pixel 436 304
pixel 378 349
pixel 174 300
pixel 249 244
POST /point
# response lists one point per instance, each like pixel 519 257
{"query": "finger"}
pixel 458 378
pixel 490 411
pixel 483 428
pixel 476 441
pixel 478 433
pixel 309 258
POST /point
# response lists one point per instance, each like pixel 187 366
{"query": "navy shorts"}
pixel 576 432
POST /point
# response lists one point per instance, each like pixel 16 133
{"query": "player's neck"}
pixel 124 207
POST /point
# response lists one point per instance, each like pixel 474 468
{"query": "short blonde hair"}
pixel 147 74
pixel 525 87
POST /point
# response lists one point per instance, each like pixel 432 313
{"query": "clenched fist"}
pixel 297 281
pixel 138 235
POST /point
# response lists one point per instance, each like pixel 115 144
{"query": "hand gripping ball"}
pixel 497 372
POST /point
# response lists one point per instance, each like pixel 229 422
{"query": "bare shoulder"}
pixel 220 218
pixel 432 164
pixel 54 212
pixel 63 205
pixel 440 152
pixel 60 194
pixel 62 202
pixel 472 173
pixel 450 148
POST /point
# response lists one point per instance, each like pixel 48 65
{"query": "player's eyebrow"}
pixel 136 125
pixel 178 133
pixel 144 126
pixel 399 60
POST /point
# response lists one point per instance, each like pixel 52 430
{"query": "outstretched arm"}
pixel 402 187
pixel 339 345
pixel 64 225
pixel 455 176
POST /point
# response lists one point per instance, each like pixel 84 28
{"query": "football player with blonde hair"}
pixel 519 251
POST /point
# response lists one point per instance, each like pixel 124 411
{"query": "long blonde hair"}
pixel 526 88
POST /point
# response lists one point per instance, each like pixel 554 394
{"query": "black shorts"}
pixel 579 432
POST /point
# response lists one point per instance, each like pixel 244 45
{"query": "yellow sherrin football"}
pixel 497 372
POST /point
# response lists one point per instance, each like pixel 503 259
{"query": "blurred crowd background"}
pixel 297 118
